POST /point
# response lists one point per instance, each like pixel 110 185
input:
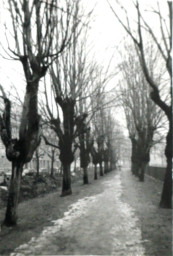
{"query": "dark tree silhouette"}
pixel 163 43
pixel 33 25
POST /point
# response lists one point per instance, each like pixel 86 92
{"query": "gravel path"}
pixel 94 225
pixel 155 223
pixel 115 215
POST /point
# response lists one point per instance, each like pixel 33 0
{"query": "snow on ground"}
pixel 133 242
pixel 75 211
pixel 100 224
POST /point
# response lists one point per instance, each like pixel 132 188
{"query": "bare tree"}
pixel 163 43
pixel 84 138
pixel 33 30
pixel 67 76
pixel 97 123
pixel 103 127
pixel 113 141
pixel 142 114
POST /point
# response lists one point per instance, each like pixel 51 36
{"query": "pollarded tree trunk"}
pixel 13 196
pixel 142 171
pixel 66 184
pixel 84 158
pixel 112 161
pixel 134 157
pixel 65 142
pixel 95 160
pixel 134 167
pixel 106 167
pixel 105 159
pixel 95 172
pixel 85 176
pixel 136 163
pixel 143 161
pixel 20 151
pixel 66 157
pixel 166 197
pixel 101 169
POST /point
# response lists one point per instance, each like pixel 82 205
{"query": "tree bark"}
pixel 13 196
pixel 106 167
pixel 20 151
pixel 84 158
pixel 65 142
pixel 66 184
pixel 142 170
pixel 85 176
pixel 66 157
pixel 101 169
pixel 166 197
pixel 95 172
pixel 134 157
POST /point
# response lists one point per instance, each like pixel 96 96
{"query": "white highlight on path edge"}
pixel 132 245
pixel 75 211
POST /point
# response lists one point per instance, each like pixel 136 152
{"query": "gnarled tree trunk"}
pixel 66 157
pixel 85 175
pixel 106 167
pixel 134 157
pixel 95 160
pixel 143 163
pixel 95 171
pixel 84 158
pixel 20 151
pixel 65 143
pixel 166 197
pixel 13 196
pixel 105 159
pixel 101 169
pixel 66 184
pixel 142 170
pixel 52 163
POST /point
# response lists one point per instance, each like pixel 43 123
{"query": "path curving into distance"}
pixel 94 225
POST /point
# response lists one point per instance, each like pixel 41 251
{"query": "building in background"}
pixel 44 158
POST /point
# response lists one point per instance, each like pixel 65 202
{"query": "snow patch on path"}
pixel 75 211
pixel 127 228
pixel 121 226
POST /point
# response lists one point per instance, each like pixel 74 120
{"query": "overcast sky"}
pixel 105 36
pixel 105 33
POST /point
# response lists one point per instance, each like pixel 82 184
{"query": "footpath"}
pixel 115 215
pixel 155 223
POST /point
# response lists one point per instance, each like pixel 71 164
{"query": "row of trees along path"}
pixel 144 119
pixel 34 35
pixel 52 35
pixel 43 42
pixel 143 36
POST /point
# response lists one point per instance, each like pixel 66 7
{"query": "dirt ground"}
pixel 34 186
pixel 156 223
pixel 143 198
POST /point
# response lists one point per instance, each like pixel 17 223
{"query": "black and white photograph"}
pixel 86 127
